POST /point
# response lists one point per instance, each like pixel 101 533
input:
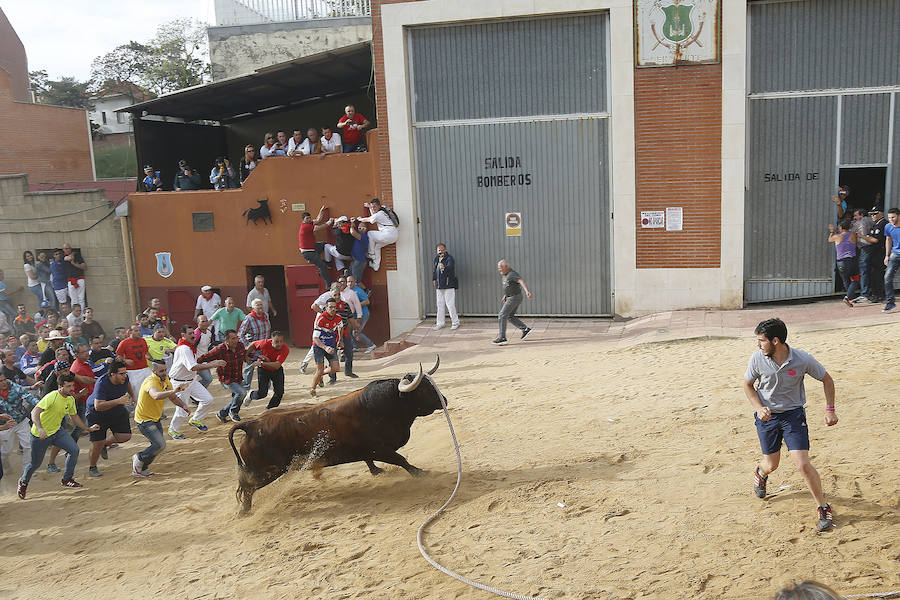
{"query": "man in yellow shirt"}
pixel 155 390
pixel 48 431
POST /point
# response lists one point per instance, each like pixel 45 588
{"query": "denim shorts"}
pixel 323 357
pixel 789 426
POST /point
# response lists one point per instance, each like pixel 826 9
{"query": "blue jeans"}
pixel 508 313
pixel 6 308
pixel 62 440
pixel 893 265
pixel 314 258
pixel 357 267
pixel 205 377
pixel 848 268
pixel 367 343
pixel 238 393
pixel 153 431
pixel 866 255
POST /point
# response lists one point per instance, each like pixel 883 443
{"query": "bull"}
pixel 365 425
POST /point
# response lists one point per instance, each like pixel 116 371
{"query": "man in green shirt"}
pixel 228 316
pixel 158 345
pixel 48 431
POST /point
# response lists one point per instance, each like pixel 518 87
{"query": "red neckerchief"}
pixel 5 393
pixel 184 342
pixel 264 316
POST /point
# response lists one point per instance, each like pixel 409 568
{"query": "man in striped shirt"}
pixel 255 327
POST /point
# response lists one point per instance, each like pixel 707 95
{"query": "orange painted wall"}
pixel 162 222
pixel 678 162
pixel 49 143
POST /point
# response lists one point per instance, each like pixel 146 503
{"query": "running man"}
pixel 155 390
pixel 184 374
pixel 106 408
pixel 779 400
pixel 513 286
pixel 325 336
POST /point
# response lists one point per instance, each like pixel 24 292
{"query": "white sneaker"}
pixel 454 327
pixel 439 326
pixel 370 349
pixel 136 467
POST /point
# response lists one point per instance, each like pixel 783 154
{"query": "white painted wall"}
pixel 109 105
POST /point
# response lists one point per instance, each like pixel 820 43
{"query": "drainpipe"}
pixel 129 266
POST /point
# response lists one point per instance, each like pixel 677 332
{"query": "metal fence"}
pixel 250 12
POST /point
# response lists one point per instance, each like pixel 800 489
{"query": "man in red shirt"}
pixel 271 355
pixel 133 351
pixel 309 248
pixel 352 125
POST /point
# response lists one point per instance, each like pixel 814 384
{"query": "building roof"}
pixel 294 82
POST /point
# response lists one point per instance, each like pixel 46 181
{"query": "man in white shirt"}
pixel 184 370
pixel 203 341
pixel 331 142
pixel 294 143
pixel 387 232
pixel 260 291
pixel 75 317
pixel 208 302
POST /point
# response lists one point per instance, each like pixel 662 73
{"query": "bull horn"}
pixel 409 387
pixel 436 365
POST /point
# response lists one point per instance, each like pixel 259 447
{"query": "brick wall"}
pixel 32 220
pixel 13 59
pixel 389 254
pixel 678 142
pixel 49 143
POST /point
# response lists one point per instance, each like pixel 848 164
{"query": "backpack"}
pixel 391 215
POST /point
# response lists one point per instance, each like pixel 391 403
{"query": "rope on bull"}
pixel 895 594
pixel 428 521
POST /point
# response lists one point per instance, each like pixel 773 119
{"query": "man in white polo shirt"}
pixel 779 399
pixel 208 302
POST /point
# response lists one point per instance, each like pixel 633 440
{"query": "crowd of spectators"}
pixel 348 136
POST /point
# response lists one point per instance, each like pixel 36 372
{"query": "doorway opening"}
pixel 275 283
pixel 866 187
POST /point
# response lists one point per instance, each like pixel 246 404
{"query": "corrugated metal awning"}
pixel 291 83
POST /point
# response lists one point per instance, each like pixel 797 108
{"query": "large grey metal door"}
pixel 510 117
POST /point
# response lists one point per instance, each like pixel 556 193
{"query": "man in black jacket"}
pixel 445 284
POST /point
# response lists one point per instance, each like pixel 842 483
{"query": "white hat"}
pixel 341 218
pixel 56 335
pixel 206 288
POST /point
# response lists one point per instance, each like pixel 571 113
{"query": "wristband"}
pixel 829 409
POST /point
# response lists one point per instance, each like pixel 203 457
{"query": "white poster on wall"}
pixel 669 32
pixel 653 219
pixel 674 218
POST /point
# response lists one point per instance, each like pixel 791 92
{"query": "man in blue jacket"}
pixel 445 284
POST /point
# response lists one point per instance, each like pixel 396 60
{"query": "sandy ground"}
pixel 651 449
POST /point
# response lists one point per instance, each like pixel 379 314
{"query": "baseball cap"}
pixel 206 288
pixel 44 304
pixel 182 162
pixel 341 218
pixel 61 365
pixel 148 168
pixel 159 326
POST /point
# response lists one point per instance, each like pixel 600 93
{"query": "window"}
pixel 203 221
pixel 121 118
pixel 103 117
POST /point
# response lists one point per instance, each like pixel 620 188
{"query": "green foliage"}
pixel 68 91
pixel 115 161
pixel 176 58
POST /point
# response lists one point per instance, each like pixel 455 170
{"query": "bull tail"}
pixel 236 427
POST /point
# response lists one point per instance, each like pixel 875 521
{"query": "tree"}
pixel 68 91
pixel 122 69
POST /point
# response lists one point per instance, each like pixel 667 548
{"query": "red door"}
pixel 181 309
pixel 304 286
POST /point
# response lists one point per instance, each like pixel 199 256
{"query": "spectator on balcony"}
pixel 352 125
pixel 58 277
pixel 187 179
pixel 31 276
pixel 331 142
pixel 42 266
pixel 222 175
pixel 75 266
pixel 248 163
pixel 312 144
pixel 272 147
pixel 294 143
pixel 152 181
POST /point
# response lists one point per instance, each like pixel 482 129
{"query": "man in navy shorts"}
pixel 779 400
pixel 106 408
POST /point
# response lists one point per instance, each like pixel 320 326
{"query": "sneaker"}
pixel 163 417
pixel 439 326
pixel 759 484
pixel 248 399
pixel 52 468
pixel 21 489
pixel 104 453
pixel 175 435
pixel 303 366
pixel 454 327
pixel 889 307
pixel 139 474
pixel 136 465
pixel 222 418
pixel 846 301
pixel 198 424
pixel 94 472
pixel 370 349
pixel 500 341
pixel 322 383
pixel 234 416
pixel 332 381
pixel 351 375
pixel 825 518
pixel 526 332
pixel 71 483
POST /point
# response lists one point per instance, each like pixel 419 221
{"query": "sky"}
pixel 63 37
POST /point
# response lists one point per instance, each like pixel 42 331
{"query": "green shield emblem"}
pixel 677 26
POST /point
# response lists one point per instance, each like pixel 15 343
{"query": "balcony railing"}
pixel 252 12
